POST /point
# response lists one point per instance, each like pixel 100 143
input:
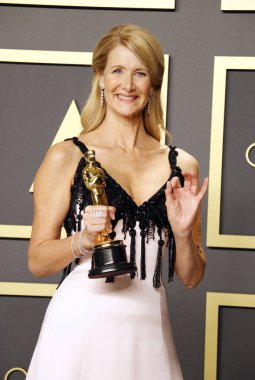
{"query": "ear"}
pixel 101 81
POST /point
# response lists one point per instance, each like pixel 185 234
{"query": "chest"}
pixel 140 177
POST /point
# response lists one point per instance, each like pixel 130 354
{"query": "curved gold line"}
pixel 247 154
pixel 16 369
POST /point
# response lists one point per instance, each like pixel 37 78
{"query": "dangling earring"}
pixel 102 98
pixel 149 105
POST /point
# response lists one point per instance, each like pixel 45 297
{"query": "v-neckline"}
pixel 128 195
pixel 122 188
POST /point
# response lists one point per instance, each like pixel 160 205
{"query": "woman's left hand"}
pixel 183 202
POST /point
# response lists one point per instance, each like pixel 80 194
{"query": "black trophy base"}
pixel 110 259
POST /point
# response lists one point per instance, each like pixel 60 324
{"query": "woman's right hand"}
pixel 96 219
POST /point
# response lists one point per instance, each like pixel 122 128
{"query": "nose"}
pixel 128 82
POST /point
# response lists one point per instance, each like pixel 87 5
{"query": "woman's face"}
pixel 126 82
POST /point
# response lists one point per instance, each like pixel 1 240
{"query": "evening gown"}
pixel 115 328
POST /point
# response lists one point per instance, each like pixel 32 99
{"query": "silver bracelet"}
pixel 82 250
pixel 72 248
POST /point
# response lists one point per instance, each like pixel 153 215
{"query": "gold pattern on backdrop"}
pixel 141 4
pixel 238 5
pixel 71 118
pixel 214 237
pixel 42 57
pixel 247 154
pixel 213 303
pixel 23 289
pixel 27 289
pixel 13 370
pixel 71 123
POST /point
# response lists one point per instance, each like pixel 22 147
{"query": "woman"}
pixel 117 330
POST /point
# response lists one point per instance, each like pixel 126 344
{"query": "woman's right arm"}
pixel 48 253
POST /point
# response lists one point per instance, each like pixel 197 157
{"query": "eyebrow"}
pixel 121 66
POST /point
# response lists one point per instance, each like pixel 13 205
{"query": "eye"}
pixel 117 71
pixel 141 74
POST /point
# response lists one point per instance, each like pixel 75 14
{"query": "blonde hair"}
pixel 146 47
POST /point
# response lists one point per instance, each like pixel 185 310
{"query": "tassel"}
pixel 77 262
pixel 109 279
pixel 112 235
pixel 79 217
pixel 158 267
pixel 132 233
pixel 150 231
pixel 143 266
pixel 171 257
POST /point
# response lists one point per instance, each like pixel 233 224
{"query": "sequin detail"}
pixel 150 215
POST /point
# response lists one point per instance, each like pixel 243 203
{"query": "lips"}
pixel 127 97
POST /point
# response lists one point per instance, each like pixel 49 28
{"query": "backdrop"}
pixel 34 99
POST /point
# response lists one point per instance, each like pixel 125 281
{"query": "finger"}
pixel 169 191
pixel 203 189
pixel 89 209
pixel 112 211
pixel 194 183
pixel 95 216
pixel 98 212
pixel 92 225
pixel 187 181
pixel 96 228
pixel 95 221
pixel 108 228
pixel 175 183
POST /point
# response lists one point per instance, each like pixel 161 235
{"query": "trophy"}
pixel 109 256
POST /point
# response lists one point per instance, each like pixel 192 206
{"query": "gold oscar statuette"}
pixel 109 256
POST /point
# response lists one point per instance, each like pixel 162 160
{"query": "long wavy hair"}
pixel 147 48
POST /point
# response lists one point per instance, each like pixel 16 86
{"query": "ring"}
pixel 98 213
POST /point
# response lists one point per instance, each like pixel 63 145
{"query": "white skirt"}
pixel 94 330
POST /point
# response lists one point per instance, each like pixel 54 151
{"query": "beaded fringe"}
pixel 109 279
pixel 152 213
pixel 158 267
pixel 171 257
pixel 143 264
pixel 132 233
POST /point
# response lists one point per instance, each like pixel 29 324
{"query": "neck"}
pixel 127 133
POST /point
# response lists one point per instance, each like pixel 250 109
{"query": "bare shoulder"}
pixel 60 159
pixel 186 161
pixel 63 154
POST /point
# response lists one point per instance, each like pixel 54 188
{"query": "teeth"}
pixel 126 97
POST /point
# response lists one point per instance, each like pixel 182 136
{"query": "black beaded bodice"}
pixel 151 214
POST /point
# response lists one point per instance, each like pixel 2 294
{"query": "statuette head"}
pixel 90 156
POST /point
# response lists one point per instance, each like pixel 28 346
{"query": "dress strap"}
pixel 176 170
pixel 172 156
pixel 78 143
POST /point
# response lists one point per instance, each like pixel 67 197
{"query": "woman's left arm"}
pixel 184 214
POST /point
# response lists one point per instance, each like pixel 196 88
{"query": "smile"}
pixel 126 97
